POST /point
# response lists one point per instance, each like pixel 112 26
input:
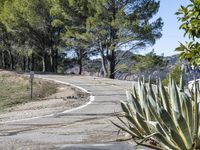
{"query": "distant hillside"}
pixel 172 60
pixel 92 67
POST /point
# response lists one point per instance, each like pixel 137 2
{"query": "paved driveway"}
pixel 86 128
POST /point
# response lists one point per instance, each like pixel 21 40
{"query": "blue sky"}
pixel 171 33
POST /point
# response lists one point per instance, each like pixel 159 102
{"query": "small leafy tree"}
pixel 189 17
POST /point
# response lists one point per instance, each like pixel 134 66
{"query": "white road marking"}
pixel 85 145
pixel 91 99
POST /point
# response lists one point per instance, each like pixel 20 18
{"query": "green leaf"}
pixel 177 138
pixel 137 125
pixel 125 129
pixel 150 89
pixel 132 101
pixel 167 119
pixel 189 112
pixel 181 82
pixel 186 135
pixel 166 142
pixel 124 107
pixel 156 127
pixel 142 122
pixel 134 92
pixel 174 96
pixel 164 97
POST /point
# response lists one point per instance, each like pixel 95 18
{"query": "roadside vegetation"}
pixel 15 90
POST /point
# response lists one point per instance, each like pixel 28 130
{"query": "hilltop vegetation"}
pixel 134 66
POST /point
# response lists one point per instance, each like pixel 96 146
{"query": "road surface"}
pixel 86 128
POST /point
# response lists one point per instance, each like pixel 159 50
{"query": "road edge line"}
pixel 91 99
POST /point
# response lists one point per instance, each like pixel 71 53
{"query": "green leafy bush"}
pixel 162 118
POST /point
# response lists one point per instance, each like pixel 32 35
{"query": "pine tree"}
pixel 76 36
pixel 123 24
pixel 36 20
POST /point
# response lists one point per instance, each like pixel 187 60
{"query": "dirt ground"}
pixel 65 98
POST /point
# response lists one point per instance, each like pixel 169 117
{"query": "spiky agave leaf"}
pixel 171 117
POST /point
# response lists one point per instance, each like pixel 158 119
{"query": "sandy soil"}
pixel 66 98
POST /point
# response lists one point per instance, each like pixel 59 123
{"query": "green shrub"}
pixel 175 73
pixel 147 62
pixel 160 118
pixel 122 68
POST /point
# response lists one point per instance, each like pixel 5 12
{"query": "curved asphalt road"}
pixel 88 128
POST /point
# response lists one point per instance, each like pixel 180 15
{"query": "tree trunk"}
pixel 44 62
pixel 51 51
pixel 13 62
pixel 51 60
pixel 103 65
pixel 32 62
pixel 3 59
pixel 113 34
pixel 24 63
pixel 103 60
pixel 56 61
pixel 80 66
pixel 10 59
pixel 28 63
pixel 112 65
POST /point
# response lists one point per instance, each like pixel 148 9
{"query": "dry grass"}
pixel 15 89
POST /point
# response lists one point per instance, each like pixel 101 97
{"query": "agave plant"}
pixel 162 117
